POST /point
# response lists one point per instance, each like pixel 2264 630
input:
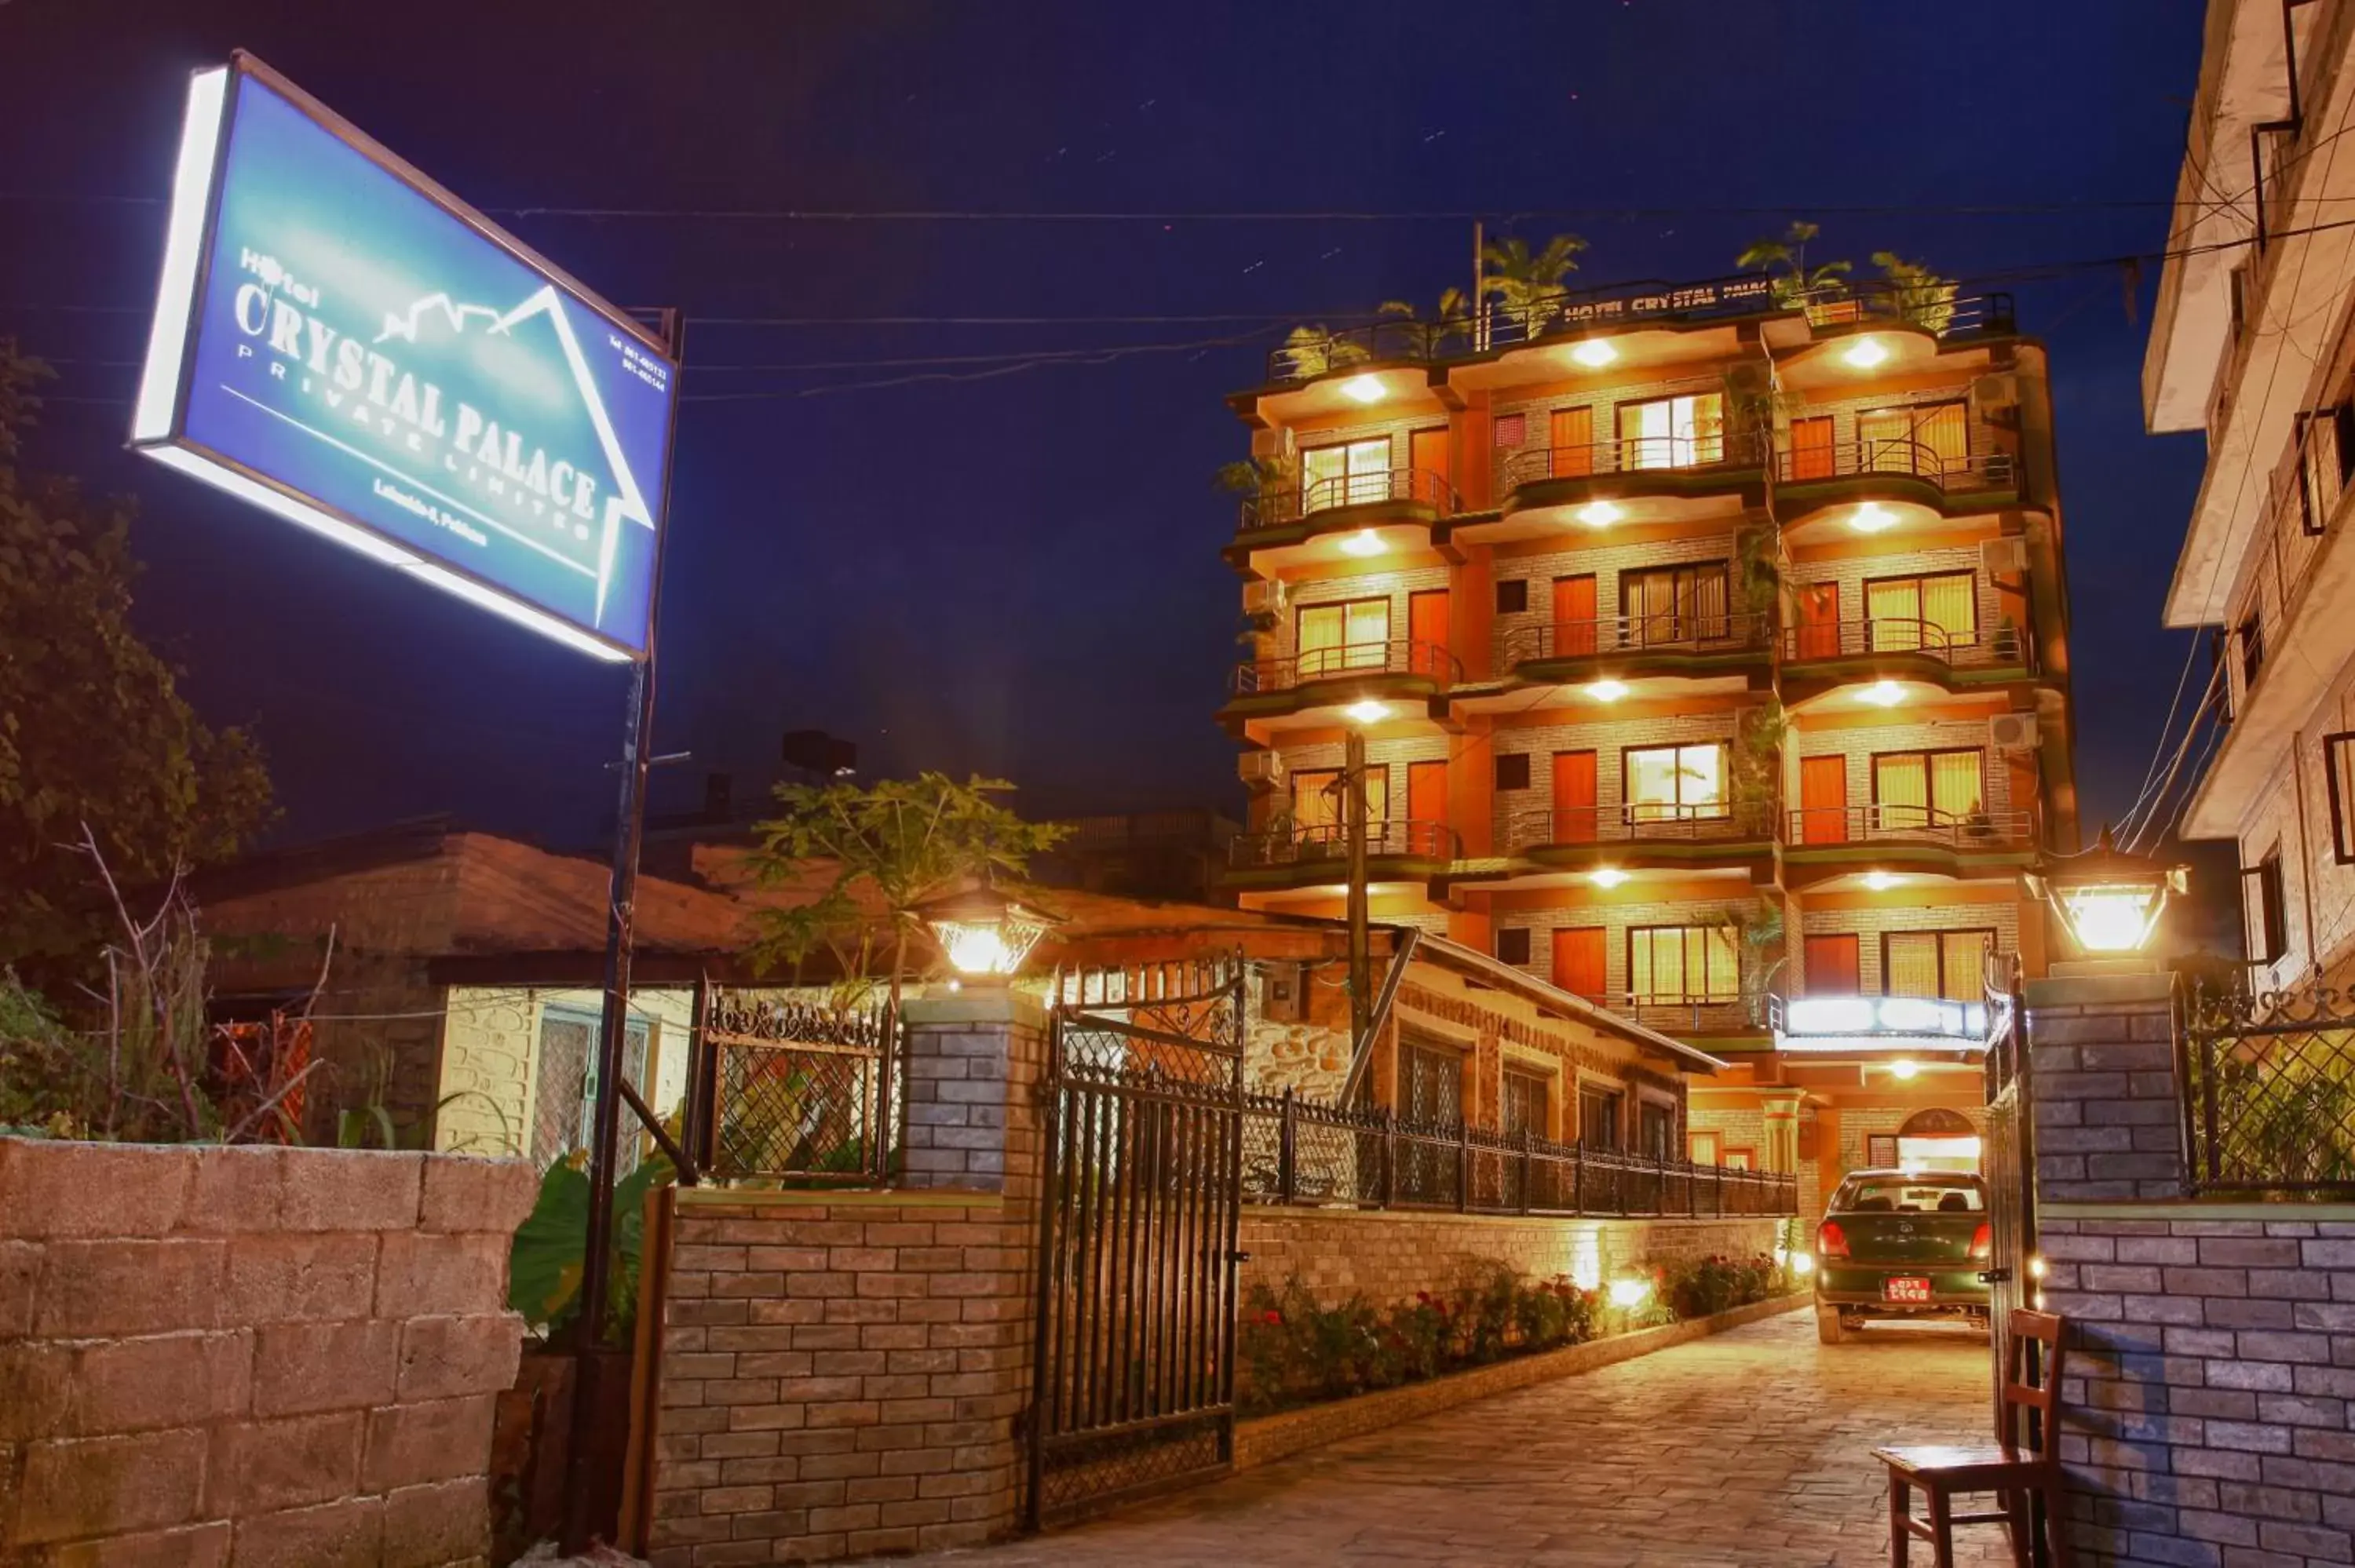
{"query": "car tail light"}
pixel 1830 1240
pixel 1983 1241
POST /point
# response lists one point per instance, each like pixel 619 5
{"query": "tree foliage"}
pixel 887 848
pixel 1524 280
pixel 1784 262
pixel 94 730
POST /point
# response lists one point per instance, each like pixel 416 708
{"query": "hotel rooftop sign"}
pixel 341 342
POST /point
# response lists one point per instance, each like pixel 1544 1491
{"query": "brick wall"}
pixel 253 1356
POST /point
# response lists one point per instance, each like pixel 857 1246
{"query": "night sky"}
pixel 985 566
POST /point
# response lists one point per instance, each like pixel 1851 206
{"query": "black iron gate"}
pixel 1143 1163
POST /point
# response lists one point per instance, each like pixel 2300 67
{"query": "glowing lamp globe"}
pixel 983 933
pixel 2110 900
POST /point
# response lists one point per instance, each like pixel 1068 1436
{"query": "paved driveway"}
pixel 1752 1447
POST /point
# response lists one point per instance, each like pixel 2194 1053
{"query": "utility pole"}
pixel 1361 959
pixel 1480 306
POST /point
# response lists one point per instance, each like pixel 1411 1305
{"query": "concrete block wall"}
pixel 251 1356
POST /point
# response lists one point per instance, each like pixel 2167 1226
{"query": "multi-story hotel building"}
pixel 1710 655
pixel 2252 343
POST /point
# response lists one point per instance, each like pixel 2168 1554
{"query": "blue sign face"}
pixel 370 354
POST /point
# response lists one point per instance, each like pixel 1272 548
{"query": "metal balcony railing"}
pixel 1735 450
pixel 1293 502
pixel 1395 656
pixel 1884 822
pixel 1558 826
pixel 1912 459
pixel 1328 843
pixel 2303 508
pixel 1686 632
pixel 1984 646
pixel 1375 342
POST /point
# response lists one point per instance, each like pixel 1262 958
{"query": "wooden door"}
pixel 1811 448
pixel 1427 454
pixel 1578 958
pixel 1573 617
pixel 1823 800
pixel 1831 966
pixel 1571 440
pixel 1426 630
pixel 1574 821
pixel 1818 621
pixel 1426 808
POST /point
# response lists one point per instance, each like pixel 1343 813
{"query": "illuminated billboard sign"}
pixel 341 341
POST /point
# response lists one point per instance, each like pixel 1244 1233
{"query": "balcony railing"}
pixel 1299 1151
pixel 2303 508
pixel 1911 458
pixel 1395 656
pixel 1686 634
pixel 1293 502
pixel 1997 646
pixel 1558 826
pixel 1811 827
pixel 1328 843
pixel 1848 1022
pixel 1735 450
pixel 1628 305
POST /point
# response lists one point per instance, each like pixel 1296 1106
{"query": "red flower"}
pixel 1273 1318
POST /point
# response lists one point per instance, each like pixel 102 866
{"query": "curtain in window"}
pixel 1901 787
pixel 1950 606
pixel 1345 474
pixel 1677 604
pixel 1352 636
pixel 1894 608
pixel 1957 792
pixel 1672 432
pixel 1318 809
pixel 1683 963
pixel 1964 955
pixel 1911 958
pixel 1676 783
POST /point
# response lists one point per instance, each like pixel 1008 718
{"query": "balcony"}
pixel 1909 472
pixel 1543 829
pixel 1409 495
pixel 1295 855
pixel 1631 480
pixel 1826 653
pixel 1885 834
pixel 1353 662
pixel 1638 645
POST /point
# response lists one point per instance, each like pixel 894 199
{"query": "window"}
pixel 1511 429
pixel 2264 909
pixel 1951 965
pixel 1674 783
pixel 1928 788
pixel 1932 440
pixel 1598 1116
pixel 1513 944
pixel 1924 1193
pixel 1527 1096
pixel 1670 605
pixel 1512 594
pixel 1319 808
pixel 1512 770
pixel 2253 650
pixel 1656 1128
pixel 1672 432
pixel 2338 778
pixel 1431 1082
pixel 1345 474
pixel 1936 613
pixel 1350 635
pixel 1682 963
pixel 568 1080
pixel 2324 456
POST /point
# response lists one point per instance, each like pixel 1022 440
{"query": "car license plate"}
pixel 1900 1288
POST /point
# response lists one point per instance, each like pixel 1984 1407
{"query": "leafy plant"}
pixel 1704 1287
pixel 1529 283
pixel 550 1250
pixel 1784 262
pixel 1453 322
pixel 1257 476
pixel 1920 295
pixel 1311 351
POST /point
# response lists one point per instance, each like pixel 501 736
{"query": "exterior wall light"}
pixel 1872 517
pixel 983 933
pixel 1903 1068
pixel 1599 514
pixel 1367 711
pixel 1363 389
pixel 1606 691
pixel 1881 881
pixel 1607 876
pixel 1364 542
pixel 1594 353
pixel 1882 695
pixel 1866 351
pixel 2108 899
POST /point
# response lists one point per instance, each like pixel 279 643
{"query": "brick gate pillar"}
pixel 974 1063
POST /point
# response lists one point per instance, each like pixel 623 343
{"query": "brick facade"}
pixel 251 1356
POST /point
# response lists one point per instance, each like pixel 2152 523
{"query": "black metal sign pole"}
pixel 637 740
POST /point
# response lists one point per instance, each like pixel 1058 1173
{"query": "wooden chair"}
pixel 2002 1467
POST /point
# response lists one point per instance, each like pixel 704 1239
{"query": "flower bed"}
pixel 1296 1350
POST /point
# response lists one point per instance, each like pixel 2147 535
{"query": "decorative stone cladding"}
pixel 2209 1412
pixel 249 1355
pixel 1859 745
pixel 1610 739
pixel 1852 572
pixel 2000 914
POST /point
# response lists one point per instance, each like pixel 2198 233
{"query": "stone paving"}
pixel 1752 1447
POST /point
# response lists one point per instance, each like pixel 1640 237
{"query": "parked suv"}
pixel 1900 1244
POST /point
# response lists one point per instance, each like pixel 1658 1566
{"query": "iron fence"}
pixel 1292 503
pixel 1298 1151
pixel 1980 647
pixel 2268 1091
pixel 797 1091
pixel 1390 656
pixel 1719 821
pixel 1735 449
pixel 1896 455
pixel 1677 631
pixel 1317 844
pixel 1886 821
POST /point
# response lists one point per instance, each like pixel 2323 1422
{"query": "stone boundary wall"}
pixel 251 1356
pixel 840 1374
pixel 1388 1254
pixel 1264 1439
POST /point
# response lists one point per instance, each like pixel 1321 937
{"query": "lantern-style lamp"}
pixel 984 933
pixel 2109 899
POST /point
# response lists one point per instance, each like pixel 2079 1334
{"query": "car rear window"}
pixel 1912 1195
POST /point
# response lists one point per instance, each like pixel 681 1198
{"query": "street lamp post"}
pixel 983 933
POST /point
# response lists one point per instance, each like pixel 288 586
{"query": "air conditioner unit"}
pixel 1262 770
pixel 2012 732
pixel 2004 557
pixel 1265 598
pixel 1995 399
